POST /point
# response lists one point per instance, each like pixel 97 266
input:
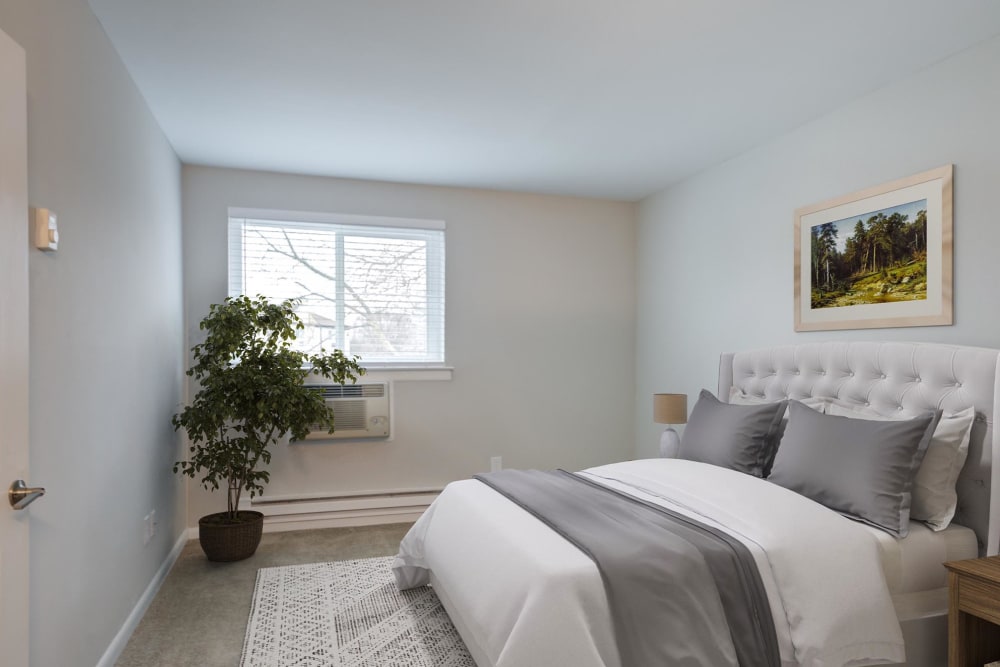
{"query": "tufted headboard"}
pixel 893 378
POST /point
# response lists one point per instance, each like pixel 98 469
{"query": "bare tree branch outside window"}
pixel 363 291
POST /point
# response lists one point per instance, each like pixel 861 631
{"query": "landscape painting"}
pixel 876 257
pixel 880 257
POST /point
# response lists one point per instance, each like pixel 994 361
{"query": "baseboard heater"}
pixel 294 512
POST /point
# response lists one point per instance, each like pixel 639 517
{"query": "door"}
pixel 13 351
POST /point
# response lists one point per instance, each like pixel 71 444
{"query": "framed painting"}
pixel 881 257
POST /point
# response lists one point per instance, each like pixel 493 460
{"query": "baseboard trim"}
pixel 117 644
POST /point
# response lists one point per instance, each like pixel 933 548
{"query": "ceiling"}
pixel 600 98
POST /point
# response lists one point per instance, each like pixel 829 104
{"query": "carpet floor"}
pixel 199 617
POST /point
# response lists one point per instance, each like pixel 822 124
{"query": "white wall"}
pixel 715 252
pixel 540 330
pixel 107 334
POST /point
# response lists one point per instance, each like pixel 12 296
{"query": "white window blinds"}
pixel 368 286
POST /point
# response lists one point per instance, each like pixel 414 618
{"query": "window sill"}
pixel 410 374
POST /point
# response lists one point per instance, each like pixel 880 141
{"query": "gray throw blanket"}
pixel 680 592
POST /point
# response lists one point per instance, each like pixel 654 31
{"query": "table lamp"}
pixel 670 409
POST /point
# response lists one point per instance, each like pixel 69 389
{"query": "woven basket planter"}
pixel 224 541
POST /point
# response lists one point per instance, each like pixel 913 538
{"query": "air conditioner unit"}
pixel 359 411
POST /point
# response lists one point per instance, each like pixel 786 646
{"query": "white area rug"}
pixel 347 614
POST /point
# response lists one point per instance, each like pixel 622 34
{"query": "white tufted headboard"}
pixel 893 378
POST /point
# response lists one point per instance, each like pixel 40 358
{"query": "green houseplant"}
pixel 251 393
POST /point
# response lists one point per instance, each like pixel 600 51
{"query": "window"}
pixel 369 286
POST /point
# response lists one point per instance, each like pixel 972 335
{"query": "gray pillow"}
pixel 862 469
pixel 741 437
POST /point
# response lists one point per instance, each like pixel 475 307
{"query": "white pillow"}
pixel 934 497
pixel 738 397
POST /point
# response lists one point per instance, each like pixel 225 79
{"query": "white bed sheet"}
pixel 915 563
pixel 528 598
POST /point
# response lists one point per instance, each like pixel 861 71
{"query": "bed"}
pixel 840 592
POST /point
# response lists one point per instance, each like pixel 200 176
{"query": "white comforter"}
pixel 528 598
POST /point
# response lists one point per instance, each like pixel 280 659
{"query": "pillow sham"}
pixel 934 498
pixel 740 437
pixel 863 469
pixel 738 397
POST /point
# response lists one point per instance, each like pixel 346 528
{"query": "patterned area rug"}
pixel 347 614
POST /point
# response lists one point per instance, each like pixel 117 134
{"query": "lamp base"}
pixel 670 443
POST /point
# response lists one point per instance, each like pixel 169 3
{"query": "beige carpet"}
pixel 199 617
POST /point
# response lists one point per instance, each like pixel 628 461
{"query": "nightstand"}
pixel 973 611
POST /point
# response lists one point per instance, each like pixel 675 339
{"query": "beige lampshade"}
pixel 670 408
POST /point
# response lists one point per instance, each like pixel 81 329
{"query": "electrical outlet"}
pixel 496 463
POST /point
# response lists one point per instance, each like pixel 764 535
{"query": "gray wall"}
pixel 106 333
pixel 540 330
pixel 715 252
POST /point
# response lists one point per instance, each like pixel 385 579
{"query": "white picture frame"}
pixel 881 257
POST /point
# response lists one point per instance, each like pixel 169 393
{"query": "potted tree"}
pixel 251 393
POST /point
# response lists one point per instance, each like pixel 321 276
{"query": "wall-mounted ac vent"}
pixel 359 411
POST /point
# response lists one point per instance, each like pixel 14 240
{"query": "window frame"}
pixel 436 269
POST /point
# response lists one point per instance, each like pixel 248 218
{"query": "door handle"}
pixel 20 495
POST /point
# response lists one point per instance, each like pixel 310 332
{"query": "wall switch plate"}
pixel 496 463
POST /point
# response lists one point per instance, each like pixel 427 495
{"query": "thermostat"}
pixel 46 229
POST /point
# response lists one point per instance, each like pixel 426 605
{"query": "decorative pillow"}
pixel 741 437
pixel 738 397
pixel 863 469
pixel 934 497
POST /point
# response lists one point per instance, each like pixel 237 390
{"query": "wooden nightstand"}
pixel 973 611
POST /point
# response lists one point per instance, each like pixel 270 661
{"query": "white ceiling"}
pixel 586 97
